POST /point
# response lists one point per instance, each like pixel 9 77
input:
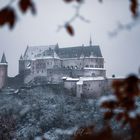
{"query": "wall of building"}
pixel 21 66
pixel 73 63
pixel 55 75
pixel 93 88
pixel 79 89
pixel 79 63
pixel 93 72
pixel 40 66
pixel 54 68
pixel 70 85
pixel 94 62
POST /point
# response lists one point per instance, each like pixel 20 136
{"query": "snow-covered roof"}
pixel 44 57
pixel 72 79
pixel 83 79
pixel 113 78
pixel 34 51
pixel 91 78
pixel 94 68
pixel 64 78
pixel 67 52
pixel 80 82
pixel 78 51
pixel 3 63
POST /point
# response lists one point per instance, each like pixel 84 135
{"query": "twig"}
pixel 77 15
pixel 121 27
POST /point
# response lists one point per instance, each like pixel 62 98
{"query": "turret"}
pixel 21 65
pixel 90 41
pixel 3 71
pixel 21 57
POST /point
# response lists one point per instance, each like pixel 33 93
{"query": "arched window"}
pixel 91 66
pixel 93 74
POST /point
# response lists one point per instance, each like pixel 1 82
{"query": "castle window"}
pixel 91 66
pixel 76 67
pixel 71 67
pixel 87 66
pixel 101 66
pixel 93 74
pixel 96 66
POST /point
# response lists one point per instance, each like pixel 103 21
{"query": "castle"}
pixel 3 71
pixel 79 69
pixel 52 63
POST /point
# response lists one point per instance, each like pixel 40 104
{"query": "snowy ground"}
pixel 41 112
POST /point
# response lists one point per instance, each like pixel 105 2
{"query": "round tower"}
pixel 21 65
pixel 3 71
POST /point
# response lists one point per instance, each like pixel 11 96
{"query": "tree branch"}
pixel 77 15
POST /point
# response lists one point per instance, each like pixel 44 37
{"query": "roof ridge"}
pixel 80 46
pixel 41 46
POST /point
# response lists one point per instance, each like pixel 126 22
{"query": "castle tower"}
pixel 21 65
pixel 3 71
pixel 90 41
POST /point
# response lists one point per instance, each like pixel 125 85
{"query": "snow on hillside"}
pixel 40 112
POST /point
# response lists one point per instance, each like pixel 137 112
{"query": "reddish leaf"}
pixel 7 16
pixel 69 29
pixel 134 7
pixel 79 1
pixel 68 1
pixel 119 116
pixel 108 115
pixel 101 1
pixel 24 5
pixel 109 104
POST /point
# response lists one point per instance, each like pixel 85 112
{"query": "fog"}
pixel 121 52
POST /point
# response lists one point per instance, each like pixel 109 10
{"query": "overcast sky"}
pixel 121 53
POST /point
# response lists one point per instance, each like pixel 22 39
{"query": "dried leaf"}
pixel 7 16
pixel 69 29
pixel 24 5
pixel 134 7
pixel 68 1
pixel 108 115
pixel 79 1
pixel 100 1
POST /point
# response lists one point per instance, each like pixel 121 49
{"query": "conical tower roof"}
pixel 21 57
pixel 90 41
pixel 3 59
